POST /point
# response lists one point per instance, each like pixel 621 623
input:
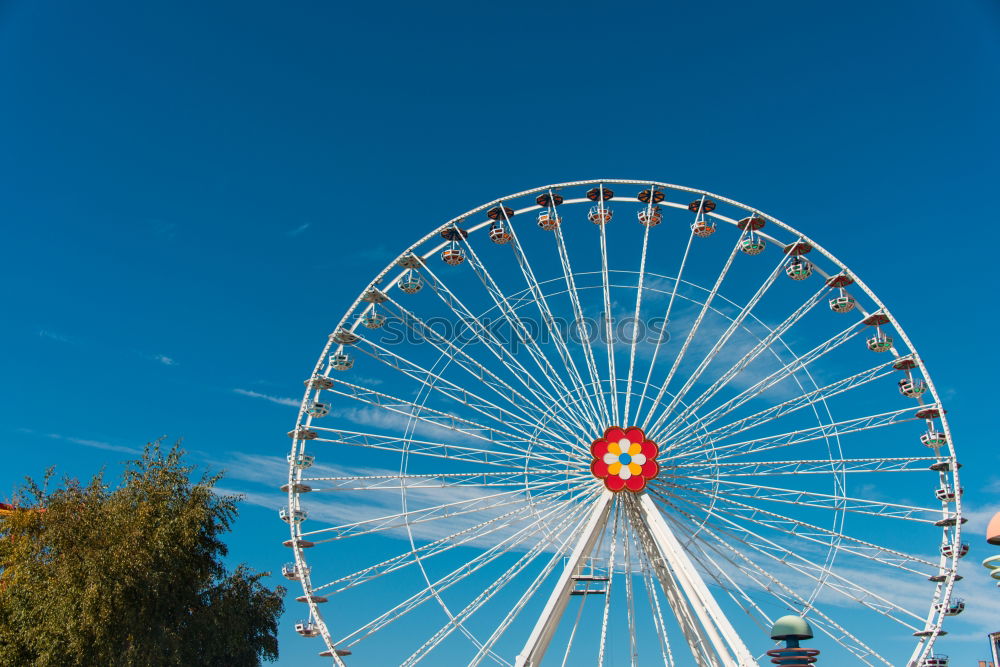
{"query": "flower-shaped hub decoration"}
pixel 624 459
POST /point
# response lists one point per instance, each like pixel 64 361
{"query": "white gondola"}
pixel 702 228
pixel 410 283
pixel 317 409
pixel 798 268
pixel 953 608
pixel 341 362
pixel 293 572
pixel 880 342
pixel 844 303
pixel 933 439
pixel 292 516
pixel 912 387
pixel 307 628
pixel 947 494
pixel 373 320
pixel 752 245
pixel 548 220
pixel 499 234
pixel 650 216
pixel 453 256
pixel 600 215
pixel 950 550
pixel 301 461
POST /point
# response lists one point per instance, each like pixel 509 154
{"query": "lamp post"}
pixel 791 630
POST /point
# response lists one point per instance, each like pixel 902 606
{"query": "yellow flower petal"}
pixel 634 449
pixel 634 468
pixel 614 448
pixel 615 467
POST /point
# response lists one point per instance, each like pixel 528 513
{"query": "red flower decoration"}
pixel 624 459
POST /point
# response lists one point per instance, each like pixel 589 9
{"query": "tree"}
pixel 130 576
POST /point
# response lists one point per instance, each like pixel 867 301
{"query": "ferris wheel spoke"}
pixel 557 335
pixel 441 450
pixel 852 644
pixel 823 576
pixel 805 466
pixel 636 519
pixel 462 572
pixel 498 349
pixel 762 346
pixel 572 633
pixel 481 530
pixel 788 597
pixel 498 583
pixel 531 590
pixel 514 321
pixel 578 314
pixel 733 327
pixel 666 322
pixel 512 400
pixel 531 408
pixel 710 567
pixel 492 501
pixel 801 401
pixel 450 390
pixel 654 606
pixel 526 416
pixel 442 420
pixel 635 315
pixel 777 588
pixel 722 636
pixel 774 586
pixel 629 593
pixel 608 333
pixel 819 535
pixel 521 479
pixel 759 387
pixel 799 436
pixel 839 503
pixel 687 342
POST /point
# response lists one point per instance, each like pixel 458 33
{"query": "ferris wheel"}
pixel 621 422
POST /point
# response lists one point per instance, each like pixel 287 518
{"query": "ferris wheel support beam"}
pixel 694 634
pixel 701 601
pixel 538 642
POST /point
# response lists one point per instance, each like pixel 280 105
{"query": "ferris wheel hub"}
pixel 625 459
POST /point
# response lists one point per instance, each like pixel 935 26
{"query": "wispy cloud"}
pixel 165 360
pixel 52 335
pixel 298 230
pixel 96 444
pixel 280 400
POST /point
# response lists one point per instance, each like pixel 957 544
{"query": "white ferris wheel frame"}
pixel 712 638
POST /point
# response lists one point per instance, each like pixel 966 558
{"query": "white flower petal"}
pixel 624 443
pixel 639 458
pixel 610 458
pixel 624 473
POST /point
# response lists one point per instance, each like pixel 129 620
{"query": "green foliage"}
pixel 130 576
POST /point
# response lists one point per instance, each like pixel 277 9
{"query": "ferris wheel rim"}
pixel 304 418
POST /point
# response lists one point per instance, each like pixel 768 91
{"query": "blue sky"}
pixel 194 192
